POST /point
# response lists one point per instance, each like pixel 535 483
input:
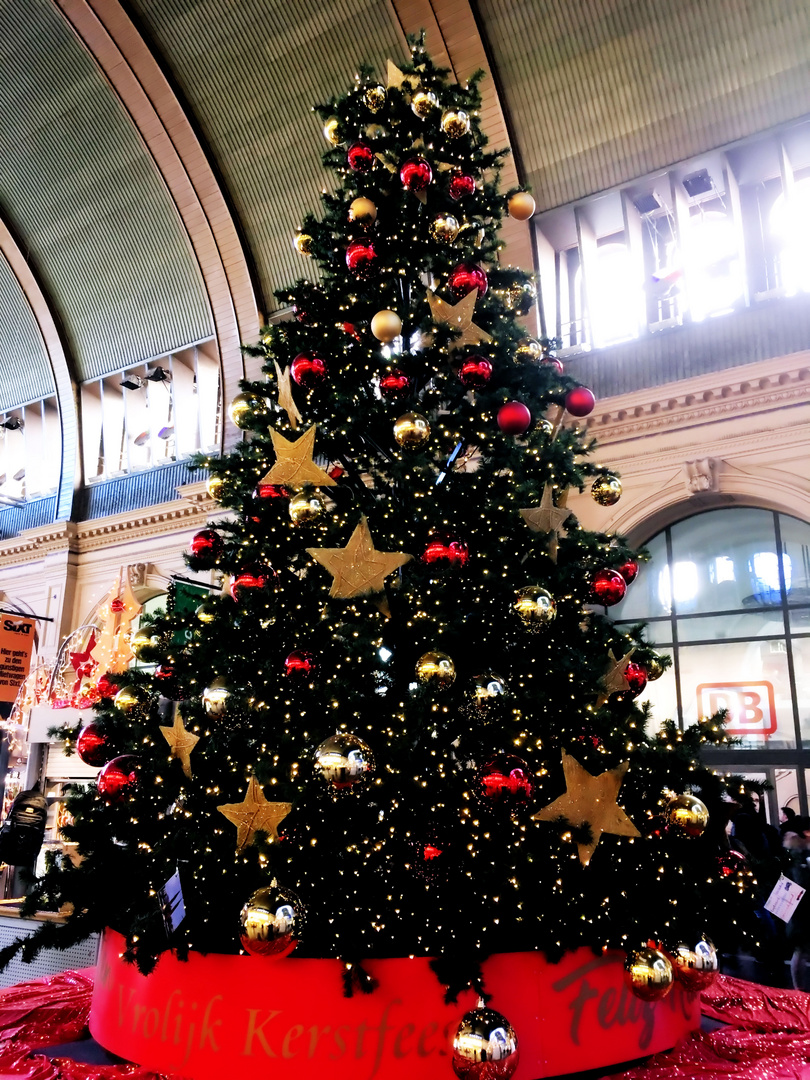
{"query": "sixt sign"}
pixel 14 627
pixel 751 706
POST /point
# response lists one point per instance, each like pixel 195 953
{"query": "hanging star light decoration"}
pixel 285 398
pixel 548 518
pixel 590 800
pixel 254 814
pixel 181 742
pixel 294 466
pixel 459 316
pixel 358 569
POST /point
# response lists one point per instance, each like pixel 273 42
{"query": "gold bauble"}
pixel 245 407
pixel 695 968
pixel 412 430
pixel 206 612
pixel 535 607
pixel 444 228
pixel 436 670
pixel 521 296
pixel 545 428
pixel 271 922
pixel 385 326
pixel 654 669
pixel 145 638
pixel 306 507
pixel 486 688
pixel 423 103
pixel 606 489
pixel 455 123
pixel 216 696
pixel 528 349
pixel 648 974
pixel 344 760
pixel 374 98
pixel 362 211
pixel 303 243
pixel 130 698
pixel 521 206
pixel 331 131
pixel 214 485
pixel 687 814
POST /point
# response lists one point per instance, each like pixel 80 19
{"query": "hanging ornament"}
pixel 361 258
pixel 271 922
pixel 580 401
pixel 252 579
pixel 732 862
pixel 687 814
pixel 464 278
pixel 359 568
pixel 254 814
pixel 144 638
pixel 374 98
pixel 444 228
pixel 461 184
pixel 214 485
pixel 269 492
pixel 554 363
pixel 521 297
pixel 423 103
pixel 514 418
pixel 106 687
pixel 485 1046
pixel 505 780
pixel 444 549
pixel 459 316
pixel 636 677
pixel 395 385
pixel 546 428
pixel 306 507
pixel 216 697
pixel 475 372
pixel 607 588
pixel 385 326
pixel 294 465
pixel 308 370
pixel 331 131
pixel 648 974
pixel 695 968
pixel 206 612
pixel 94 746
pixel 528 349
pixel 521 206
pixel 606 489
pixel 118 778
pixel 130 698
pixel 344 761
pixel 412 430
pixel 629 570
pixel 245 408
pixel 206 546
pixel 301 663
pixel 455 123
pixel 375 131
pixel 360 157
pixel 362 212
pixel 165 676
pixel 485 689
pixel 535 607
pixel 435 670
pixel 415 174
pixel 654 668
pixel 303 243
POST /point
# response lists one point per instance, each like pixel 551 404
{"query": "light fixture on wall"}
pixel 13 423
pixel 698 183
pixel 132 382
pixel 158 374
pixel 647 203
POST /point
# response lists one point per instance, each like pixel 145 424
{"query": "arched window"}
pixel 790 227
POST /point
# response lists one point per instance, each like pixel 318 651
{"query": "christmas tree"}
pixel 404 719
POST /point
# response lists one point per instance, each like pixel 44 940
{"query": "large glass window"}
pixel 30 451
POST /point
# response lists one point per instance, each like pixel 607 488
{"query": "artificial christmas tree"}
pixel 404 728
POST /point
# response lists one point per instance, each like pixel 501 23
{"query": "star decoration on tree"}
pixel 460 316
pixel 255 814
pixel 294 466
pixel 358 569
pixel 285 398
pixel 398 80
pixel 590 800
pixel 614 679
pixel 548 518
pixel 181 742
pixel 112 651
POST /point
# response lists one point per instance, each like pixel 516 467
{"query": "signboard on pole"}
pixel 16 646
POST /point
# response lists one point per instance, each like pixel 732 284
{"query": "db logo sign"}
pixel 751 706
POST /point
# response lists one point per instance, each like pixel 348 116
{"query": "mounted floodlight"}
pixel 13 423
pixel 699 183
pixel 646 204
pixel 158 374
pixel 132 382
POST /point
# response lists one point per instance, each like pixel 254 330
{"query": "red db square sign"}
pixel 750 705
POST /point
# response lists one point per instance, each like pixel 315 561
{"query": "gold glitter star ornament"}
pixel 285 398
pixel 590 800
pixel 294 466
pixel 255 813
pixel 358 569
pixel 181 742
pixel 458 315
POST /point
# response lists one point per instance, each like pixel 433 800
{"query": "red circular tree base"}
pixel 220 1016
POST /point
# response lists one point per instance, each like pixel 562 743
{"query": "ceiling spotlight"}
pixel 158 374
pixel 132 382
pixel 699 183
pixel 13 423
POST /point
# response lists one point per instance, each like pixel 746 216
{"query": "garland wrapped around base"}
pixel 254 1017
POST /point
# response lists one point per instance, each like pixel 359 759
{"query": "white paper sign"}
pixel 784 899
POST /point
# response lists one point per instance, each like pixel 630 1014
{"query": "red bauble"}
pixel 461 184
pixel 415 174
pixel 271 491
pixel 118 778
pixel 106 687
pixel 361 257
pixel 93 745
pixel 252 579
pixel 301 663
pixel 301 313
pixel 117 605
pixel 360 157
pixel 553 362
pixel 395 384
pixel 636 677
pixel 580 401
pixel 608 588
pixel 207 545
pixel 731 862
pixel 308 370
pixel 506 780
pixel 466 277
pixel 442 549
pixel 514 418
pixel 629 570
pixel 475 371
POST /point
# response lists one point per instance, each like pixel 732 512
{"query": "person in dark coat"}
pixel 797 844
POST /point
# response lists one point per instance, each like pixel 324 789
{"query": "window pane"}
pixel 796 545
pixel 801 671
pixel 748 678
pixel 787 789
pixel 661 695
pixel 643 599
pixel 769 623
